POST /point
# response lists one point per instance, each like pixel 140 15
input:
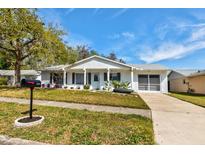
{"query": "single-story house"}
pixel 96 71
pixel 25 74
pixel 187 81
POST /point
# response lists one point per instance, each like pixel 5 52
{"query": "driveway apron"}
pixel 175 121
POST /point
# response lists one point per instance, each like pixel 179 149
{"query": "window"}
pixel 96 77
pixel 79 78
pixel 115 76
pixel 105 76
pixel 89 78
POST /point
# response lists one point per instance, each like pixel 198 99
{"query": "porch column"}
pixel 108 77
pixel 64 77
pixel 14 81
pixel 108 74
pixel 132 77
pixel 85 76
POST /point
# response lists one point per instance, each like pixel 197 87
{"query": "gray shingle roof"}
pixel 55 68
pixel 186 72
pixel 138 66
pixel 23 72
pixel 198 73
pixel 150 66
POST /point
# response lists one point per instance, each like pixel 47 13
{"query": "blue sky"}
pixel 172 37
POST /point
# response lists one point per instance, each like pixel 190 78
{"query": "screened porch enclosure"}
pixel 149 82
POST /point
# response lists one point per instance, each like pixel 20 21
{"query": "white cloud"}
pixel 128 35
pixel 122 35
pixel 120 12
pixel 69 11
pixel 96 11
pixel 171 51
pixel 198 34
pixel 175 50
pixel 114 36
pixel 76 39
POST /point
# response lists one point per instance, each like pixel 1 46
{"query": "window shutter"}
pixel 89 78
pixel 118 76
pixel 73 78
pixel 105 76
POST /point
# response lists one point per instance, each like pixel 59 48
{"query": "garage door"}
pixel 149 82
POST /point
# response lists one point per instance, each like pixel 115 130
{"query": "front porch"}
pixel 97 79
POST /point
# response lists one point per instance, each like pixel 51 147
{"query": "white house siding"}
pixel 98 64
pixel 164 82
pixel 101 66
pixel 135 81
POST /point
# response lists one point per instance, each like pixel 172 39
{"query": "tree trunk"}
pixel 17 72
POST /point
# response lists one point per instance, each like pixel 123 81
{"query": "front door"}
pixel 96 80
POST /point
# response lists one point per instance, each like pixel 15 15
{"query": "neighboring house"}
pixel 25 74
pixel 187 81
pixel 96 71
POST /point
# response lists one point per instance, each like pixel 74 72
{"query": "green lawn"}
pixel 192 98
pixel 69 126
pixel 78 96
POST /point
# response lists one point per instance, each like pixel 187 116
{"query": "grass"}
pixel 77 96
pixel 191 98
pixel 69 126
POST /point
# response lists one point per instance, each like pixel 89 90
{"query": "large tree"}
pixel 3 62
pixel 112 56
pixel 23 35
pixel 84 51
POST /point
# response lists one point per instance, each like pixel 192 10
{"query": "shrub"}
pixel 107 86
pixel 125 85
pixel 86 87
pixel 117 84
pixel 3 81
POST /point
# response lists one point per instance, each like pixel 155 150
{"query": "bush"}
pixel 107 86
pixel 125 85
pixel 3 81
pixel 86 87
pixel 117 84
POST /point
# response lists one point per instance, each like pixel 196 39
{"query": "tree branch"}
pixel 7 49
pixel 27 55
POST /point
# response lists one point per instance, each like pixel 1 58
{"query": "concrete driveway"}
pixel 175 121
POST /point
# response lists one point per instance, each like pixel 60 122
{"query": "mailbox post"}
pixel 31 102
pixel 30 84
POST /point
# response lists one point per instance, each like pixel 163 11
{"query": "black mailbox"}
pixel 30 83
